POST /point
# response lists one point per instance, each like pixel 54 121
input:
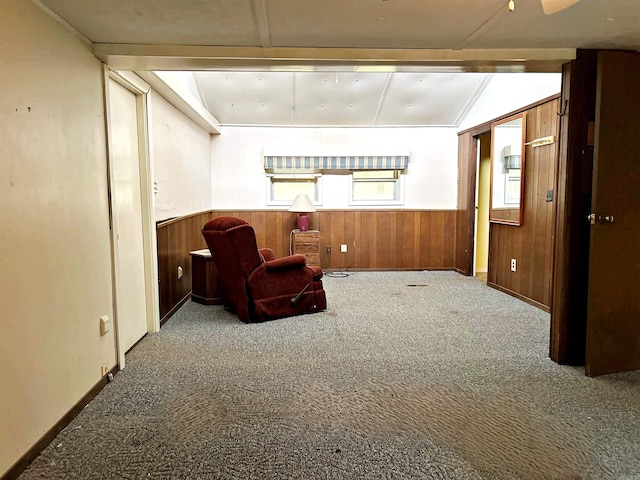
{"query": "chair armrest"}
pixel 317 272
pixel 267 254
pixel 286 263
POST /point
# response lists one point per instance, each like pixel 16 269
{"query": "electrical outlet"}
pixel 104 369
pixel 343 248
pixel 549 195
pixel 180 273
pixel 328 250
pixel 513 264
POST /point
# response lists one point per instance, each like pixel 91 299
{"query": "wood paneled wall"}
pixel 176 238
pixel 532 243
pixel 388 240
pixel 376 240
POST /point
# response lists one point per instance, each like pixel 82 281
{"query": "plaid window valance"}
pixel 347 162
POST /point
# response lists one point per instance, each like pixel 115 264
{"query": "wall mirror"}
pixel 507 170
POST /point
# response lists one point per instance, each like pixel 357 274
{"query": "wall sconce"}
pixel 302 205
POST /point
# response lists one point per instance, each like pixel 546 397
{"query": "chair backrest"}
pixel 233 246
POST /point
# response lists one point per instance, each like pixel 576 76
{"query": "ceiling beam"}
pixel 183 57
pixel 471 101
pixel 383 96
pixel 485 26
pixel 259 8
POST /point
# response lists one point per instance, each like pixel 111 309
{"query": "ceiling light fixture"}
pixel 554 6
pixel 548 6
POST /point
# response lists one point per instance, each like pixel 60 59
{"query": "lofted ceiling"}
pixel 344 62
pixel 340 98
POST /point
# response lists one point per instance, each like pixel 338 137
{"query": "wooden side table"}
pixel 308 244
pixel 204 278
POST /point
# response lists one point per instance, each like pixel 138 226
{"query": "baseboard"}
pixel 175 308
pixel 461 272
pixel 519 296
pixel 22 464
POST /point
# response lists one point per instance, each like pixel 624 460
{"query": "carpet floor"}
pixel 407 375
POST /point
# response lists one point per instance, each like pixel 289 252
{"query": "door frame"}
pixel 573 204
pixel 140 89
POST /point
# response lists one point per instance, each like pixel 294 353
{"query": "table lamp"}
pixel 302 205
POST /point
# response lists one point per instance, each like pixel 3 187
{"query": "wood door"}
pixel 466 211
pixel 131 309
pixel 613 310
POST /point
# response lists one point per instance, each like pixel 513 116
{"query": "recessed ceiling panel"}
pixel 248 98
pixel 337 98
pixel 173 22
pixel 429 98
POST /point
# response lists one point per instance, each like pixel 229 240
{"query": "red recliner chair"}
pixel 256 285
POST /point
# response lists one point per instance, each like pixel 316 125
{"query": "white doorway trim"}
pixel 140 88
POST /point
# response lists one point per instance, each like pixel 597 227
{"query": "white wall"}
pixel 239 180
pixel 181 158
pixel 507 92
pixel 54 226
pixel 186 80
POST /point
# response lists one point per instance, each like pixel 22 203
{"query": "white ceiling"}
pixel 418 48
pixel 339 98
pixel 404 24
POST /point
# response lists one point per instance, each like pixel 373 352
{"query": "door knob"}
pixel 605 218
pixel 591 218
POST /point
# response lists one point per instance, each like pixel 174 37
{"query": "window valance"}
pixel 285 164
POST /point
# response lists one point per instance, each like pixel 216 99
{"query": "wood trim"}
pixel 516 213
pixel 486 126
pixel 166 223
pixel 519 296
pixel 174 309
pixel 21 465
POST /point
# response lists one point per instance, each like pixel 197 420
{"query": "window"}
pixel 283 188
pixel 375 187
pixel 512 187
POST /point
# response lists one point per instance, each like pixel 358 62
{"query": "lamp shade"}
pixel 302 204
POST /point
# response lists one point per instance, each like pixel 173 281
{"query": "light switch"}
pixel 105 325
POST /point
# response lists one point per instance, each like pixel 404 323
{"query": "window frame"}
pixel 270 177
pixel 399 187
